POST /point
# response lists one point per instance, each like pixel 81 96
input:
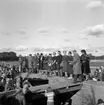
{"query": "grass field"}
pixel 11 62
pixel 96 63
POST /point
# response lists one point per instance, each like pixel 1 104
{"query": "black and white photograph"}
pixel 51 52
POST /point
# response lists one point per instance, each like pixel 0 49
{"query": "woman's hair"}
pixel 70 52
pixel 83 51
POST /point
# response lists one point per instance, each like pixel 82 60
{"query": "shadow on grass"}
pixel 88 98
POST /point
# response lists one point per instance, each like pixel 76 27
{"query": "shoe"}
pixel 75 82
pixel 94 79
pixel 69 78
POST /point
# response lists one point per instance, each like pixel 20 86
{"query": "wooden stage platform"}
pixel 61 84
pixel 55 82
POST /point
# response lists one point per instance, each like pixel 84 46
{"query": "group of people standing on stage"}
pixel 67 64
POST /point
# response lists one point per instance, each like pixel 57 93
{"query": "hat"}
pixel 100 101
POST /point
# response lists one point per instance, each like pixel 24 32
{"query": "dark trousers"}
pixel 58 66
pixel 23 70
pixel 76 77
pixel 41 66
pixel 30 70
pixel 54 66
pixel 34 70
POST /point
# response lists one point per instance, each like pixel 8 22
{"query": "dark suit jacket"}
pixel 41 59
pixel 59 59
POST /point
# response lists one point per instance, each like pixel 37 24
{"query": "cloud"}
pixel 20 48
pixel 62 31
pixel 6 49
pixel 22 31
pixel 83 37
pixel 25 37
pixel 97 30
pixel 94 49
pixel 43 31
pixel 94 4
pixel 6 33
pixel 50 49
pixel 15 49
pixel 66 40
pixel 37 49
pixel 67 48
pixel 71 46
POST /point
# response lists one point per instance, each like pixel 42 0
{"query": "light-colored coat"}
pixel 30 62
pixel 76 64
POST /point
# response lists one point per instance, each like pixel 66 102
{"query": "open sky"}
pixel 29 26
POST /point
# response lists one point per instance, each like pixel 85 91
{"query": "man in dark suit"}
pixel 59 61
pixel 41 61
pixel 54 58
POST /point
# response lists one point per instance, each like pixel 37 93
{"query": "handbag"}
pixel 61 65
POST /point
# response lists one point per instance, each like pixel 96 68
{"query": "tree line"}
pixel 92 57
pixel 8 56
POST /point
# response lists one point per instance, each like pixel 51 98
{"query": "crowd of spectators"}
pixel 98 74
pixel 59 63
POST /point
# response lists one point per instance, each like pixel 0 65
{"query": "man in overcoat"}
pixel 76 67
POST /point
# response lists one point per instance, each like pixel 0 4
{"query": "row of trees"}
pixel 92 57
pixel 8 56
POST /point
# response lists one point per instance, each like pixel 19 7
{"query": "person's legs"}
pixel 24 70
pixel 42 66
pixel 30 70
pixel 66 75
pixel 80 77
pixel 87 77
pixel 56 72
pixel 61 72
pixel 75 78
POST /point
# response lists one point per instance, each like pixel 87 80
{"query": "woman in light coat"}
pixel 76 67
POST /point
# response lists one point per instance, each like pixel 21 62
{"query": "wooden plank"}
pixel 70 89
pixel 56 86
pixel 7 93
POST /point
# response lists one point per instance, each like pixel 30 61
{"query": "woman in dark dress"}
pixel 85 64
pixel 41 61
pixel 46 62
pixel 65 63
pixel 70 67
